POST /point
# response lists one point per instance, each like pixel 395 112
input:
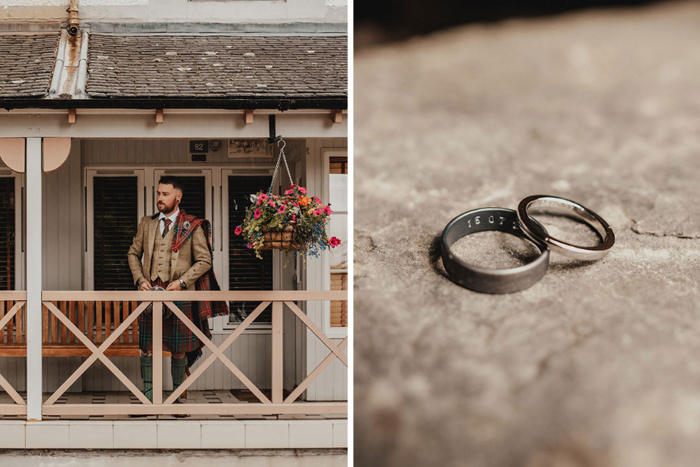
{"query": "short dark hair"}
pixel 170 180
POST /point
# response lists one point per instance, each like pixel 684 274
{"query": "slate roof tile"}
pixel 26 63
pixel 211 66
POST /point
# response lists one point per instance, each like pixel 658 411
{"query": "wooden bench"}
pixel 96 319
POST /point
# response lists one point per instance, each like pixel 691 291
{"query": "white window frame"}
pixel 88 187
pixel 326 154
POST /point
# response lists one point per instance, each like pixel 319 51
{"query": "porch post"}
pixel 34 277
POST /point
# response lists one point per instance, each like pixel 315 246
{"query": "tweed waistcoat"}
pixel 162 253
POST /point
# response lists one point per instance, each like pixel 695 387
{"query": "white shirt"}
pixel 172 218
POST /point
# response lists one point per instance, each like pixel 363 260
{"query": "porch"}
pixel 226 419
pixel 78 174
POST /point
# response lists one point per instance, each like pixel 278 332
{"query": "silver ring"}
pixel 495 281
pixel 536 232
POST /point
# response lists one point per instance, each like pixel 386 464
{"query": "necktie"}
pixel 167 223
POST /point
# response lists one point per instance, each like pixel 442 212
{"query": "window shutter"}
pixel 116 221
pixel 194 196
pixel 339 309
pixel 7 233
pixel 246 272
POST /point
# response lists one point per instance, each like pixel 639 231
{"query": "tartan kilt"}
pixel 177 337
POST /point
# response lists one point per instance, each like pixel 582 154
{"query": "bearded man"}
pixel 177 255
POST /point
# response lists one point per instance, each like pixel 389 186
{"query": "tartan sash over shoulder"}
pixel 185 226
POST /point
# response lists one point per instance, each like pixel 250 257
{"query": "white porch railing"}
pixel 277 404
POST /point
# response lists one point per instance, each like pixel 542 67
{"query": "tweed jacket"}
pixel 188 263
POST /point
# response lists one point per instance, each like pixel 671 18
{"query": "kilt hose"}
pixel 177 337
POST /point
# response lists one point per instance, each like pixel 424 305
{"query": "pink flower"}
pixel 238 230
pixel 262 196
pixel 281 209
pixel 259 201
pixel 334 242
pixel 258 213
pixel 302 190
pixel 316 200
pixel 293 186
pixel 272 205
pixel 318 212
pixel 327 210
pixel 294 217
pixel 289 192
pixel 248 245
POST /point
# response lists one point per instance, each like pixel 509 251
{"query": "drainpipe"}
pixel 81 80
pixel 73 22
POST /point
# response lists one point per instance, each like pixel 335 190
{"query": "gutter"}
pixel 58 69
pixel 81 80
pixel 324 103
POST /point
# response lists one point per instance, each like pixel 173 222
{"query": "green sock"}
pixel 178 366
pixel 147 375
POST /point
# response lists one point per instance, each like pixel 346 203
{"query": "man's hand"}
pixel 174 285
pixel 144 285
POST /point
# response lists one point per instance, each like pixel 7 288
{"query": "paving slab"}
pixel 595 364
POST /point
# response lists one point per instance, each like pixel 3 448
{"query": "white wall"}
pixel 332 383
pixel 190 11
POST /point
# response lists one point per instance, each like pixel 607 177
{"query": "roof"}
pixel 182 71
pixel 26 62
pixel 217 66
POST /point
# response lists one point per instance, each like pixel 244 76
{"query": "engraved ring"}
pixel 537 232
pixel 494 281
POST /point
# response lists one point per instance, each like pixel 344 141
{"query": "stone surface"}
pixel 596 364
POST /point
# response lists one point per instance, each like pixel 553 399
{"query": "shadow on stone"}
pixel 435 255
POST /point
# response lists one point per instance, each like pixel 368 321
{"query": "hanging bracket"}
pixel 274 137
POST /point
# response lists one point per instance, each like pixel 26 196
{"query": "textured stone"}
pixel 594 365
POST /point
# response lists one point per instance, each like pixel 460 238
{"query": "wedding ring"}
pixel 536 232
pixel 494 281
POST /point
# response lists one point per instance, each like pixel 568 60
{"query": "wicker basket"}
pixel 281 240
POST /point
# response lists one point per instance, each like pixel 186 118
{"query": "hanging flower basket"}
pixel 293 221
pixel 281 240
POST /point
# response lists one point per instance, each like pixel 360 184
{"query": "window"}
pixel 194 194
pixel 116 219
pixel 7 233
pixel 245 270
pixel 338 227
pixel 117 198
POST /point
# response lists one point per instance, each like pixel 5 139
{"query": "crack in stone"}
pixel 649 233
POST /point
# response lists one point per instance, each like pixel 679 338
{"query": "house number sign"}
pixel 199 146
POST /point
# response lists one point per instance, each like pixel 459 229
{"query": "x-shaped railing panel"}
pixel 336 352
pixel 97 353
pixel 3 382
pixel 217 353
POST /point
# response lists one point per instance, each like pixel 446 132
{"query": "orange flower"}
pixel 303 201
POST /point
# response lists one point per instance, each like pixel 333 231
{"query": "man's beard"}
pixel 166 208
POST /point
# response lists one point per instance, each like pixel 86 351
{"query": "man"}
pixel 176 256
